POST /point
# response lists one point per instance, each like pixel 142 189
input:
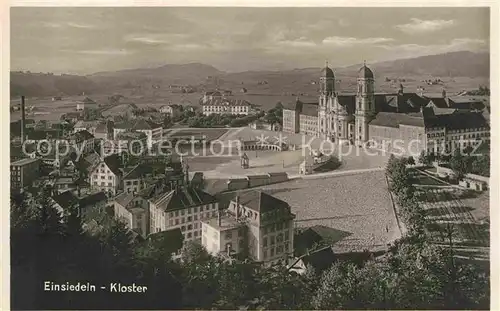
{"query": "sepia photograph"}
pixel 250 158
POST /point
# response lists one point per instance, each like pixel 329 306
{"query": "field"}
pixel 336 202
pixel 284 89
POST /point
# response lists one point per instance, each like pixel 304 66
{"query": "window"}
pixel 265 242
pixel 286 247
pixel 265 253
pixel 201 208
pixel 196 225
pixel 103 177
pixel 110 184
pixel 190 227
pixel 272 240
pixel 195 233
pixel 214 213
pixel 272 252
pixel 190 218
pixel 189 210
pixel 176 213
pixel 189 235
pixel 195 210
pixel 287 233
pixel 182 212
pixel 279 249
pixel 183 228
pixel 195 217
pixel 279 238
pixel 183 220
pixel 102 183
pixel 110 177
pixel 229 235
pixel 176 221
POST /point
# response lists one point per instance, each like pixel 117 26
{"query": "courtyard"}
pixel 364 222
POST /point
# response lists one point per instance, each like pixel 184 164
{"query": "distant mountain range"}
pixel 454 64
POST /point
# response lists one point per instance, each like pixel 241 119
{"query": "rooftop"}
pixel 183 197
pixel 260 201
pixel 393 119
pixel 226 102
pixel 24 162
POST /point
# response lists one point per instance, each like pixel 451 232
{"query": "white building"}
pixel 86 103
pixel 256 225
pixel 107 175
pixel 133 209
pixel 226 106
pixel 182 208
pixel 172 110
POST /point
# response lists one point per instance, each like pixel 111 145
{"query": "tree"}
pixel 194 253
pixel 458 164
pixel 424 158
pixel 410 160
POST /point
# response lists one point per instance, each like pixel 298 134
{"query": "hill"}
pixel 156 82
pixel 453 64
pixel 48 84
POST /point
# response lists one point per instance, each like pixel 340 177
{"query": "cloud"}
pixel 68 24
pixel 154 39
pixel 300 42
pixel 104 52
pixel 419 26
pixel 415 50
pixel 350 41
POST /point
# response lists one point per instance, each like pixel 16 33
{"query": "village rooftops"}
pixel 138 125
pixel 81 136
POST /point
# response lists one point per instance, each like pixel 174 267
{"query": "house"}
pixel 316 237
pixel 262 125
pixel 226 106
pixel 23 173
pixel 65 200
pixel 153 131
pixel 104 130
pixel 256 225
pixel 89 126
pixel 183 207
pixel 95 201
pixel 62 184
pixel 71 116
pixel 211 95
pixel 130 141
pixel 107 174
pixel 133 209
pixel 86 103
pixel 171 110
pixel 82 141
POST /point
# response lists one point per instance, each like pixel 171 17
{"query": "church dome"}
pixel 365 73
pixel 327 72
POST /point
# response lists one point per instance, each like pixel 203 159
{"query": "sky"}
pixel 88 40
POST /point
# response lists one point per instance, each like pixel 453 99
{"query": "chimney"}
pixel 237 203
pixel 23 120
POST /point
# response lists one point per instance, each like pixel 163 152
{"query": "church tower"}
pixel 365 104
pixel 326 93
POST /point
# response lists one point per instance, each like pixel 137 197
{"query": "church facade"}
pixel 368 116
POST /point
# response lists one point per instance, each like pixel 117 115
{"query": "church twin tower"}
pixel 345 118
